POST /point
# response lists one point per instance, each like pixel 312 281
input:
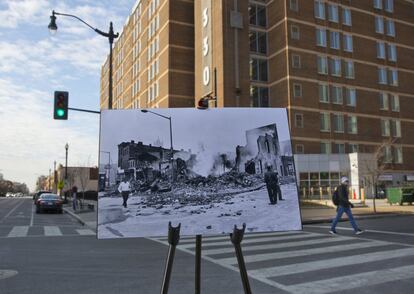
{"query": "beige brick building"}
pixel 342 68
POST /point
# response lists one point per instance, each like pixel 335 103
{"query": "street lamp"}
pixel 110 35
pixel 109 170
pixel 66 170
pixel 171 140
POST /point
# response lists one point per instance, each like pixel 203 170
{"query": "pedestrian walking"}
pixel 342 194
pixel 270 178
pixel 124 188
pixel 74 197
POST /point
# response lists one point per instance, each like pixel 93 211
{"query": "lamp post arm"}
pixel 167 117
pixel 107 35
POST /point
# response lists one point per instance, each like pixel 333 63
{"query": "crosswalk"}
pixel 47 231
pixel 310 262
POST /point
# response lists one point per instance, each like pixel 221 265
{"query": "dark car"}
pixel 49 202
pixel 37 195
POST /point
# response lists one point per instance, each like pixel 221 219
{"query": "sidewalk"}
pixel 85 216
pixel 310 215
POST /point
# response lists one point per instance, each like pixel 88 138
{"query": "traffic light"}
pixel 61 105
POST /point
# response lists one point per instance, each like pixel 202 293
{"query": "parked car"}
pixel 49 202
pixel 37 195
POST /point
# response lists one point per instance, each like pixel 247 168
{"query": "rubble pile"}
pixel 200 190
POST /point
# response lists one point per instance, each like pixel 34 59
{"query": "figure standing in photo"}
pixel 124 188
pixel 270 178
pixel 279 191
pixel 343 205
pixel 74 197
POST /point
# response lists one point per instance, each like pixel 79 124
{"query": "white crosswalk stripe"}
pixel 305 252
pixel 52 231
pixel 45 231
pixel 86 232
pixel 268 247
pixel 18 231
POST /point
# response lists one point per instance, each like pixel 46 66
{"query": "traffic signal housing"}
pixel 61 105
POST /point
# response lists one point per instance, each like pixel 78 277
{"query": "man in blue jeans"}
pixel 344 206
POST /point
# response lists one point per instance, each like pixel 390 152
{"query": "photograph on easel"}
pixel 206 169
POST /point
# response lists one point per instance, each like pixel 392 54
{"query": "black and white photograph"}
pixel 206 169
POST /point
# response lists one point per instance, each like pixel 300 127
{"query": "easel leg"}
pixel 173 238
pixel 236 238
pixel 198 264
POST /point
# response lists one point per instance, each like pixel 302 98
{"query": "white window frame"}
pixel 299 86
pixel 392 52
pixel 333 12
pixel 380 50
pixel 323 61
pixel 335 67
pixel 294 32
pixel 382 75
pixel 389 5
pixel 390 26
pixel 294 5
pixel 325 122
pixel 348 43
pixel 296 62
pixel 395 102
pixel 338 122
pixel 321 37
pixel 335 40
pixel 346 16
pixel 352 124
pixel 327 148
pixel 378 4
pixel 337 95
pixel 319 9
pixel 393 77
pixel 323 92
pixel 385 128
pixel 398 154
pixel 349 68
pixel 350 96
pixel 301 125
pixel 379 24
pixel 396 128
pixel 384 103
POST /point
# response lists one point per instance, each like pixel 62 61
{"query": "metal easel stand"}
pixel 173 238
pixel 236 238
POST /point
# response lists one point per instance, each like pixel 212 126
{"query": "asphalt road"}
pixel 40 260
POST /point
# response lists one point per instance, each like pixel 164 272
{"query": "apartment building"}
pixel 342 68
pixel 153 58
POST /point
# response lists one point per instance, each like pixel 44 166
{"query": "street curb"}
pixel 75 216
pixel 358 217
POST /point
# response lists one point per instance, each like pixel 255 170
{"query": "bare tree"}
pixel 384 159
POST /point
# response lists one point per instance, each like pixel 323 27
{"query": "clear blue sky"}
pixel 33 64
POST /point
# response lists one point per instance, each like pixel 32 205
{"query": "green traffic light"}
pixel 60 112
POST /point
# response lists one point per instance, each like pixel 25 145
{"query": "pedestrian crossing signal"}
pixel 61 105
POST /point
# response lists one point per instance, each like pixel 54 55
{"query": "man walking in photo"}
pixel 124 188
pixel 343 205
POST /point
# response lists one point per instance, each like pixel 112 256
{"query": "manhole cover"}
pixel 4 274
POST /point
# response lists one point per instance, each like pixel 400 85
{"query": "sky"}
pixel 34 64
pixel 218 130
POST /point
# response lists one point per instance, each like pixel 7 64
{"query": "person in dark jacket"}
pixel 271 181
pixel 344 206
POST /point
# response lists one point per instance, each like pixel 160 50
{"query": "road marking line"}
pixel 18 231
pixel 32 216
pixel 354 281
pixel 4 274
pixel 85 232
pixel 247 236
pixel 371 231
pixel 331 263
pixel 261 240
pixel 276 246
pixel 230 267
pixel 52 231
pixel 11 211
pixel 305 252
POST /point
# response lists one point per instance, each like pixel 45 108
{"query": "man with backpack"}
pixel 340 199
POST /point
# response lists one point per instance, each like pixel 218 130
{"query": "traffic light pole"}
pixel 84 110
